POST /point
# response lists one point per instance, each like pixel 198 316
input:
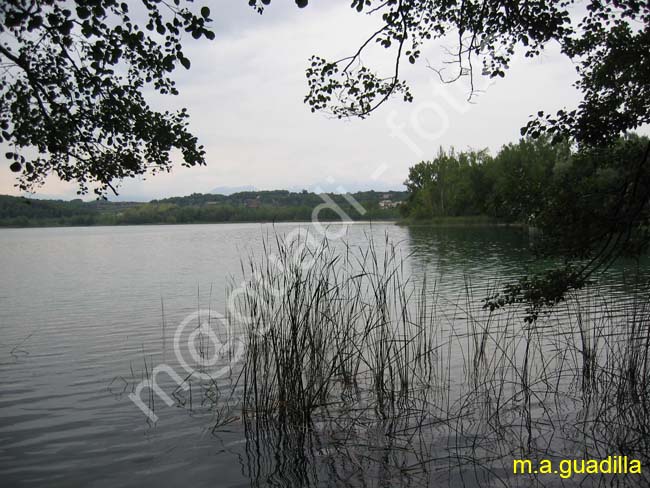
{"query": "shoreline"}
pixel 152 224
pixel 469 221
pixel 459 221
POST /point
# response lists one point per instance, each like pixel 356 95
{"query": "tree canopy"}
pixel 71 91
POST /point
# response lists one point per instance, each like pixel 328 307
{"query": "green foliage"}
pixel 450 185
pixel 510 186
pixel 578 198
pixel 611 50
pixel 519 177
pixel 538 292
pixel 274 206
pixel 597 204
pixel 72 84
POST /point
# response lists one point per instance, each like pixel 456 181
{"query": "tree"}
pixel 451 184
pixel 597 202
pixel 72 89
pixel 522 173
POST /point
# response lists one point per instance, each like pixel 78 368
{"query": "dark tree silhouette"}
pixel 73 74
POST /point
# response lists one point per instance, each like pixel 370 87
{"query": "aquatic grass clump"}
pixel 617 407
pixel 572 386
pixel 354 370
pixel 328 323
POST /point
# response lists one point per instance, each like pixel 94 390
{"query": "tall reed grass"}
pixel 355 371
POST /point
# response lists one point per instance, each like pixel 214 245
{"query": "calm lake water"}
pixel 81 321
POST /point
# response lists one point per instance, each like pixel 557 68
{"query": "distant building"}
pixel 387 203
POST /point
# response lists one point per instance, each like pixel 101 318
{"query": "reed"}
pixel 349 359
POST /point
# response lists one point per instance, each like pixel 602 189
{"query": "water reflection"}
pixel 343 458
pixel 470 248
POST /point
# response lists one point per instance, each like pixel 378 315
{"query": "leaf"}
pixel 185 62
pixel 83 12
pixel 15 167
pixel 205 12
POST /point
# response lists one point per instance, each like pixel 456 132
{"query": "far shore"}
pixel 458 221
pixel 476 220
pixel 150 224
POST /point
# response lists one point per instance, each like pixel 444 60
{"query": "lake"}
pixel 87 313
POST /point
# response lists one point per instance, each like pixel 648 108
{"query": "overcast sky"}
pixel 245 94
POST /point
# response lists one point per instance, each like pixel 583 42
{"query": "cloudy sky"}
pixel 245 94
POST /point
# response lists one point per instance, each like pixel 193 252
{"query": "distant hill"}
pixel 245 206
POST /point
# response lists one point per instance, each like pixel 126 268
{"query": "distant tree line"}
pixel 265 206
